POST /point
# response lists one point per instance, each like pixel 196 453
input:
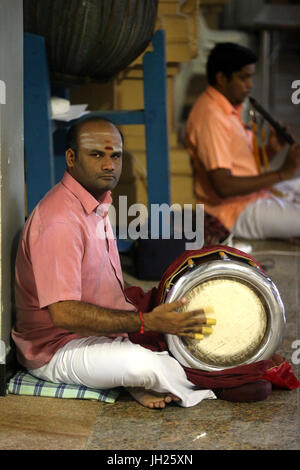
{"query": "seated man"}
pixel 73 315
pixel 226 176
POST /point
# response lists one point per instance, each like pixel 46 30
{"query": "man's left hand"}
pixel 275 142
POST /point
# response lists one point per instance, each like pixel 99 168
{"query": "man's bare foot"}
pixel 151 399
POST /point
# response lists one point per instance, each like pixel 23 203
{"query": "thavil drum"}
pixel 246 304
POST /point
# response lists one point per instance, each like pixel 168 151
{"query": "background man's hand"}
pixel 275 143
pixel 291 163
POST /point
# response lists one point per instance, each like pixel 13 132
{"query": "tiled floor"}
pixel 30 423
pixel 56 424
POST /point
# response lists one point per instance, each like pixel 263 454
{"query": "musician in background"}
pixel 228 178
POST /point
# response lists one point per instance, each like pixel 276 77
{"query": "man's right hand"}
pixel 291 163
pixel 165 319
pixel 92 320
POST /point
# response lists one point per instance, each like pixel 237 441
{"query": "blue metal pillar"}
pixel 39 163
pixel 156 121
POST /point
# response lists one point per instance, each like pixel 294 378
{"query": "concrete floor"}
pixel 61 424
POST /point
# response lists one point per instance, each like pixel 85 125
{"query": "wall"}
pixel 11 153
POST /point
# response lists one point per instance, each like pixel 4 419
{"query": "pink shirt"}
pixel 67 252
pixel 216 137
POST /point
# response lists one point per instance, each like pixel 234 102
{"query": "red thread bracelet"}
pixel 142 323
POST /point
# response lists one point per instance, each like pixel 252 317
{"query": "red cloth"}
pixel 281 374
pixel 275 370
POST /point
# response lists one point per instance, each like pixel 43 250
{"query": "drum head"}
pixel 241 321
pixel 247 308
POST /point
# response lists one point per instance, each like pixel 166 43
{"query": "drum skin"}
pixel 247 306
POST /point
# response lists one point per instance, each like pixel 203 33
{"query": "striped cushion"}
pixel 24 383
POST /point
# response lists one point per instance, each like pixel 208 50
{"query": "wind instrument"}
pixel 281 131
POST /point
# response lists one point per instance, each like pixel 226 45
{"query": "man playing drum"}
pixel 227 178
pixel 73 316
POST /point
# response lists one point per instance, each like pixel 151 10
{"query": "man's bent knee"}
pixel 140 369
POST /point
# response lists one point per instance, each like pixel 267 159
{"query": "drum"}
pixel 232 288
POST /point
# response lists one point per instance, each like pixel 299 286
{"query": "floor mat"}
pixel 23 383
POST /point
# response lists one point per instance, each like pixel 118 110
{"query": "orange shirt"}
pixel 216 137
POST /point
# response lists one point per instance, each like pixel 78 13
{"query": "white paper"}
pixel 75 112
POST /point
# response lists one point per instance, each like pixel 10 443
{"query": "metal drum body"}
pixel 255 291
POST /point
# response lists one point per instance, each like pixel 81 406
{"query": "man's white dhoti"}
pixel 273 217
pixel 104 363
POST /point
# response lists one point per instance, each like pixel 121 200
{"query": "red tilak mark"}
pixel 108 148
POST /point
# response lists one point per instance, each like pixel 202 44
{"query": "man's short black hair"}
pixel 228 57
pixel 72 134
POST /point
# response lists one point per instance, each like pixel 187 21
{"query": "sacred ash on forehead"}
pixel 100 141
